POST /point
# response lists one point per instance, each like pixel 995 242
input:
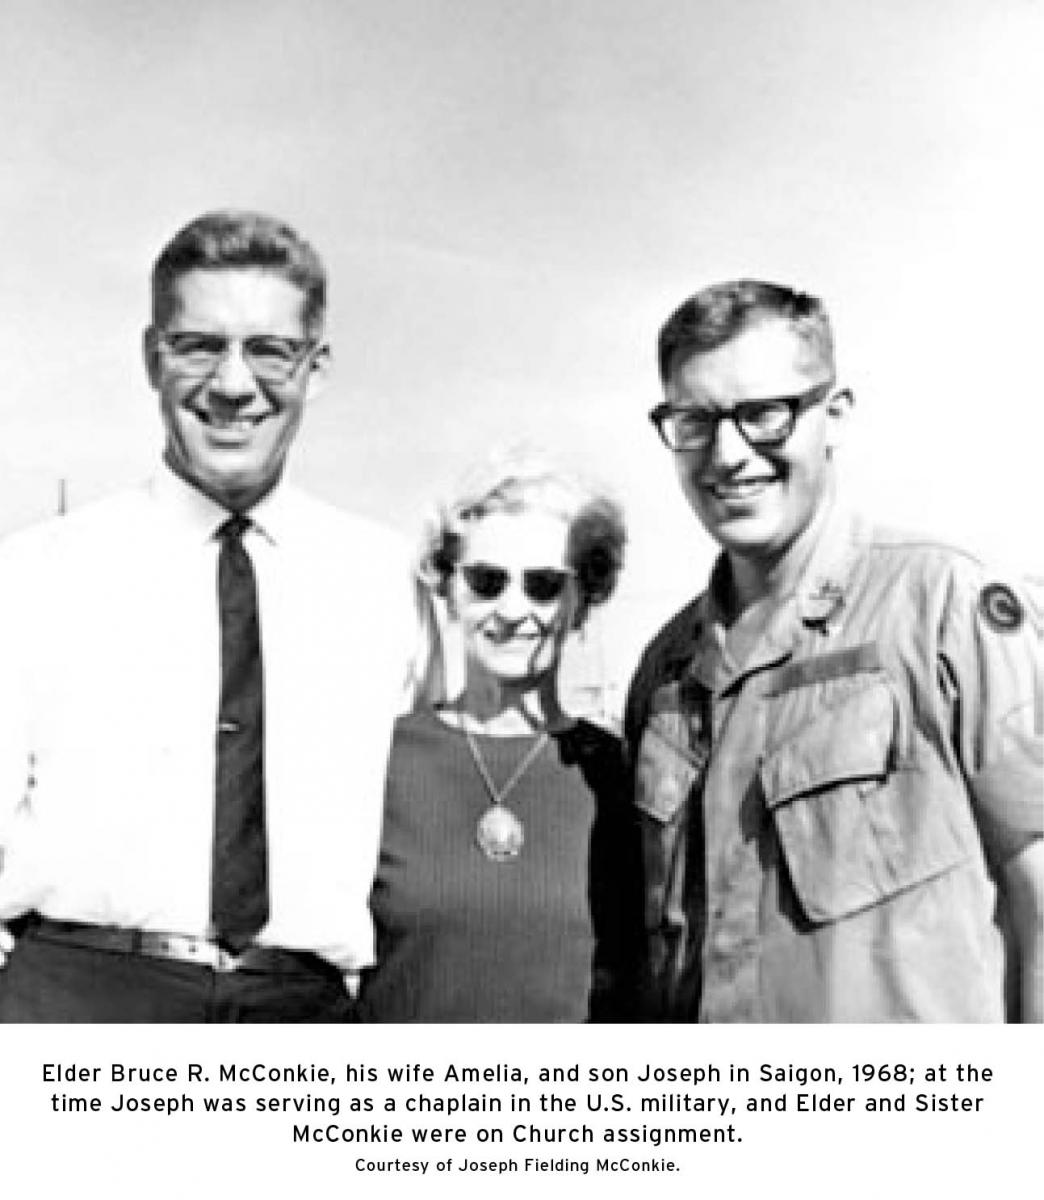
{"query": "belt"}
pixel 181 947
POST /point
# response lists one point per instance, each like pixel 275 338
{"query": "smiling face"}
pixel 513 637
pixel 228 433
pixel 757 503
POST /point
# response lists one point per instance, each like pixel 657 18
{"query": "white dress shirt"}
pixel 109 681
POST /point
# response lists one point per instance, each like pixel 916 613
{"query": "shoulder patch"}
pixel 1001 608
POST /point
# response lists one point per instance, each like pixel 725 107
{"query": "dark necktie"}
pixel 239 868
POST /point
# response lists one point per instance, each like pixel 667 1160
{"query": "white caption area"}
pixel 452 1109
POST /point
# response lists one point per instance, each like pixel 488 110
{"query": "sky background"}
pixel 510 198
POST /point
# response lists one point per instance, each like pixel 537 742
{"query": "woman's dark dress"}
pixel 548 936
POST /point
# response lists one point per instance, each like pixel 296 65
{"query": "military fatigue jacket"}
pixel 825 801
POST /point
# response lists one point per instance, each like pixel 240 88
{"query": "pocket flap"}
pixel 854 829
pixel 665 770
pixel 845 744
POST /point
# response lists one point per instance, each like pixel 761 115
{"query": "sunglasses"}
pixel 541 585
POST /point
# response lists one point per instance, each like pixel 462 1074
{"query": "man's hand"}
pixel 6 944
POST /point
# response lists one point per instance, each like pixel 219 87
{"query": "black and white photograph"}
pixel 517 516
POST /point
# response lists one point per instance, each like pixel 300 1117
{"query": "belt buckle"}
pixel 202 951
pixel 224 962
pixel 214 955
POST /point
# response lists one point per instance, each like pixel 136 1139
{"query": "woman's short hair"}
pixel 526 480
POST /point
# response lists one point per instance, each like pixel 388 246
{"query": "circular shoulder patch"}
pixel 1000 607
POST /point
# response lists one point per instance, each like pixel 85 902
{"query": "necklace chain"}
pixel 499 795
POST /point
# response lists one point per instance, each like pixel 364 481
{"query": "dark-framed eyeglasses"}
pixel 270 358
pixel 541 585
pixel 762 424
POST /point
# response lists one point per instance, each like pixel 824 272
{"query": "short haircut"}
pixel 717 314
pixel 227 239
pixel 522 481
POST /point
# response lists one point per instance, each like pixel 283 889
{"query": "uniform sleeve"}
pixel 991 668
pixel 614 874
pixel 660 778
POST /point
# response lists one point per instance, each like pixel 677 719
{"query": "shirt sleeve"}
pixel 991 667
pixel 14 725
pixel 425 684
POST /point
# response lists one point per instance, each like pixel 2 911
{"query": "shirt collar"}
pixel 822 591
pixel 818 601
pixel 200 516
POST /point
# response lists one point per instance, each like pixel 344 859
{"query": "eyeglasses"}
pixel 762 423
pixel 541 585
pixel 270 358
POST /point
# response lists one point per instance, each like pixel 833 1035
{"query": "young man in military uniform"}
pixel 837 747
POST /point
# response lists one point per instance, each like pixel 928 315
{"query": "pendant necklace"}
pixel 499 832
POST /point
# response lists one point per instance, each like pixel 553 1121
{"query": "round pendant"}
pixel 499 833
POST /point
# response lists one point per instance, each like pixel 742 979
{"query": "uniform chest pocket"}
pixel 666 767
pixel 855 825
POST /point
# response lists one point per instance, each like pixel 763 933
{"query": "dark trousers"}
pixel 46 982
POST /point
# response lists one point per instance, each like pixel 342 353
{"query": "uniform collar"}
pixel 822 591
pixel 723 656
pixel 199 517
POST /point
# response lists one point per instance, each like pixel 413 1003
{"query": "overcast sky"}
pixel 511 196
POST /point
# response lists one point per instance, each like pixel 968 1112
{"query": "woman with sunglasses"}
pixel 508 883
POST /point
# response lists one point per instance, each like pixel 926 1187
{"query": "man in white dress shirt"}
pixel 118 691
